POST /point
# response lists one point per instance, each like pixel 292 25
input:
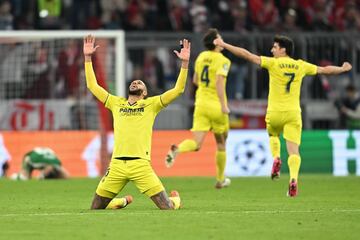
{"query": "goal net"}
pixel 42 80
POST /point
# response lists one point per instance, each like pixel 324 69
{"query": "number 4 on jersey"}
pixel 205 75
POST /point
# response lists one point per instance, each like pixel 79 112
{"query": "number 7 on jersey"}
pixel 291 77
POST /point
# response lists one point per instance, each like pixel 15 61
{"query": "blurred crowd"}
pixel 54 69
pixel 182 15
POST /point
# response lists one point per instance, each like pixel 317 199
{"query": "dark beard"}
pixel 137 92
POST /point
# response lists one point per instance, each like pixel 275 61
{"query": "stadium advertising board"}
pixel 248 153
pixel 333 152
pixel 35 115
pixel 79 151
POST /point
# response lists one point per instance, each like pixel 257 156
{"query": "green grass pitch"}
pixel 251 208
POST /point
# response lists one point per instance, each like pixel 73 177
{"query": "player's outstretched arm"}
pixel 238 51
pixel 334 69
pixel 184 56
pixel 91 82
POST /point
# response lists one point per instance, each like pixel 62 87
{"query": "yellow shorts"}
pixel 120 172
pixel 288 122
pixel 206 119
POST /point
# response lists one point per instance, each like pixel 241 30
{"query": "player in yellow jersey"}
pixel 211 110
pixel 133 121
pixel 283 111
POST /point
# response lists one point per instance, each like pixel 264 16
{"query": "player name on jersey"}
pixel 286 65
pixel 207 60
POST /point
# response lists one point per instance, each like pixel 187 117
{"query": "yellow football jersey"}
pixel 286 76
pixel 133 125
pixel 207 65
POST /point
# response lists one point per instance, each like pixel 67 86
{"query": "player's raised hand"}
pixel 184 53
pixel 218 42
pixel 89 48
pixel 346 66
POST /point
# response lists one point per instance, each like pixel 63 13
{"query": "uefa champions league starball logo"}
pixel 250 156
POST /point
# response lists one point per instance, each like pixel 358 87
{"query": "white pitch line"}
pixel 111 212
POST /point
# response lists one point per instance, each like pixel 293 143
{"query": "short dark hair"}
pixel 285 42
pixel 209 38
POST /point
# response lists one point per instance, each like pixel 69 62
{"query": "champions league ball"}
pixel 250 156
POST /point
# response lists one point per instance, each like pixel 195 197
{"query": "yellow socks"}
pixel 188 145
pixel 117 203
pixel 220 165
pixel 275 146
pixel 294 162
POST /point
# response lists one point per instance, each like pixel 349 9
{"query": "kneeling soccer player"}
pixel 133 122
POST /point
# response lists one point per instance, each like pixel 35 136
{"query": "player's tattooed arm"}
pixel 162 201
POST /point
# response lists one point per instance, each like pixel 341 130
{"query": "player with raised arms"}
pixel 283 111
pixel 133 122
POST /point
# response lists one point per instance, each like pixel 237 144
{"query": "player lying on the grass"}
pixel 283 112
pixel 133 122
pixel 42 159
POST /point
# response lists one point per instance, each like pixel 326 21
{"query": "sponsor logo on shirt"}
pixel 131 111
